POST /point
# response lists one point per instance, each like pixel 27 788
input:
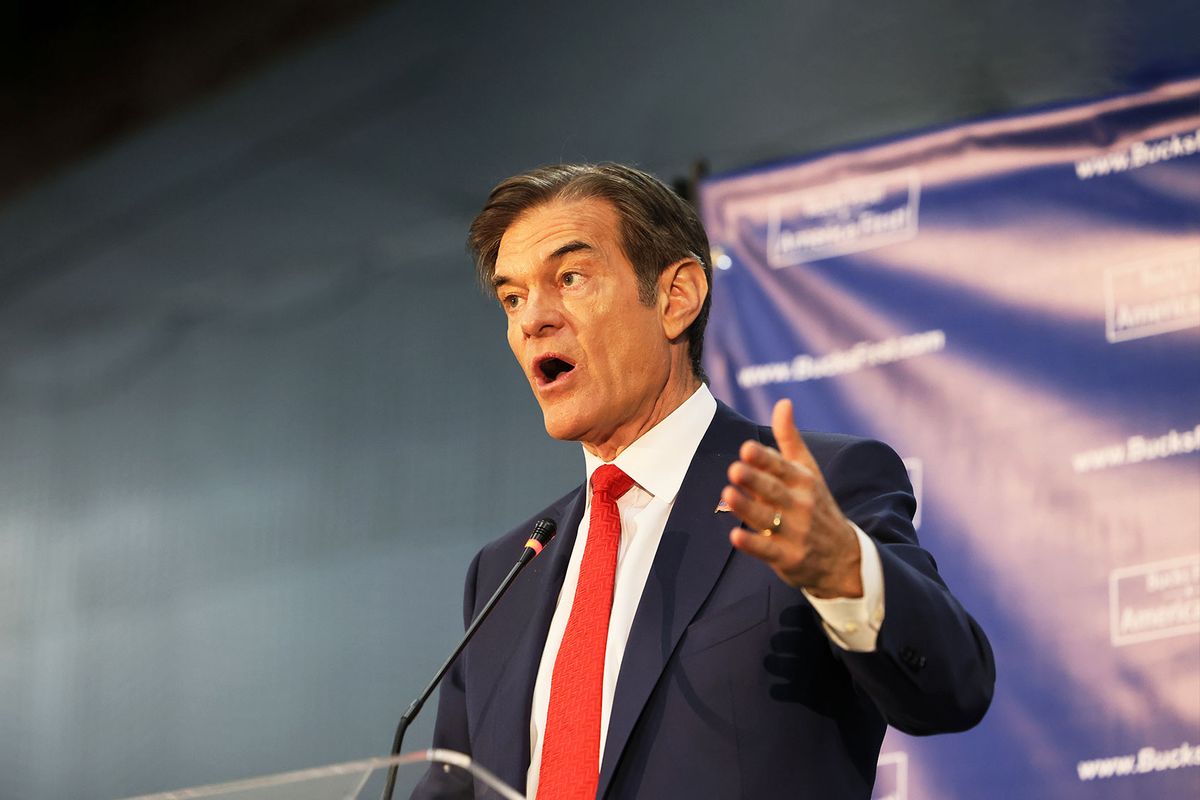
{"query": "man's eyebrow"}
pixel 571 247
pixel 499 280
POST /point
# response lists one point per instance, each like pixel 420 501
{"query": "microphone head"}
pixel 544 531
pixel 539 537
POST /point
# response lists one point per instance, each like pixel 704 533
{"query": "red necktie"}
pixel 571 745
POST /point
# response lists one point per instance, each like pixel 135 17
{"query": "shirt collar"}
pixel 658 460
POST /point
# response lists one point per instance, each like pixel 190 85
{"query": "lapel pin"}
pixel 722 506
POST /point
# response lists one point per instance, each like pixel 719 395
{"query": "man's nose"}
pixel 540 315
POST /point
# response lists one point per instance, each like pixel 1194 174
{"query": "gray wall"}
pixel 255 418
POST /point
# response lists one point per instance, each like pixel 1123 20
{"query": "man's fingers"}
pixel 761 484
pixel 783 425
pixel 759 513
pixel 787 436
pixel 757 545
pixel 749 510
pixel 759 455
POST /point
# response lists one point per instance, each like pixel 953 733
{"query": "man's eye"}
pixel 510 301
pixel 570 278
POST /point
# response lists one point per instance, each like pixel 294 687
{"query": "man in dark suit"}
pixel 728 610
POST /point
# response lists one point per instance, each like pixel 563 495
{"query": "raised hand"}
pixel 803 535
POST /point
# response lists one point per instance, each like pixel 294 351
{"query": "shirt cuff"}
pixel 853 623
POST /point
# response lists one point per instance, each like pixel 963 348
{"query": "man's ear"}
pixel 682 288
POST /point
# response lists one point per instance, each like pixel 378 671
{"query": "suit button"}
pixel 912 659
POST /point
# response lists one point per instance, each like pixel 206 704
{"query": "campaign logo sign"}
pixel 1138 448
pixel 1154 601
pixel 1152 296
pixel 844 217
pixel 891 777
pixel 861 355
pixel 916 476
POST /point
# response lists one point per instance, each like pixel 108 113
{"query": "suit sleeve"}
pixel 932 670
pixel 451 731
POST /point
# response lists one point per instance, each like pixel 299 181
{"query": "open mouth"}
pixel 551 368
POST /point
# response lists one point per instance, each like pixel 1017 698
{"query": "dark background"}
pixel 254 416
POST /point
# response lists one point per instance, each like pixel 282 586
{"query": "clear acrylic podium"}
pixel 350 781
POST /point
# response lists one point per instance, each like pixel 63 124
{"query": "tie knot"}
pixel 610 481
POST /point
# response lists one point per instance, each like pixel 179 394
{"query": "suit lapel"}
pixel 509 705
pixel 691 556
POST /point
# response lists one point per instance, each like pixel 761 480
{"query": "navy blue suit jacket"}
pixel 729 686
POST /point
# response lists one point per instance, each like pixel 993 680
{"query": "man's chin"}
pixel 561 426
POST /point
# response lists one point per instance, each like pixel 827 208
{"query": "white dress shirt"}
pixel 657 463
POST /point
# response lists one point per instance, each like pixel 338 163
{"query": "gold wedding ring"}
pixel 775 525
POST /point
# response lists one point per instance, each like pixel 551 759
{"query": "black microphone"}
pixel 543 532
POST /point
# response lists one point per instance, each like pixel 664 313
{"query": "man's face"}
pixel 596 357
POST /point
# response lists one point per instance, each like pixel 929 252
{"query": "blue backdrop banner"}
pixel 1014 305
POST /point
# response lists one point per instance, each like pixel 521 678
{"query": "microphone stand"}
pixel 542 533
